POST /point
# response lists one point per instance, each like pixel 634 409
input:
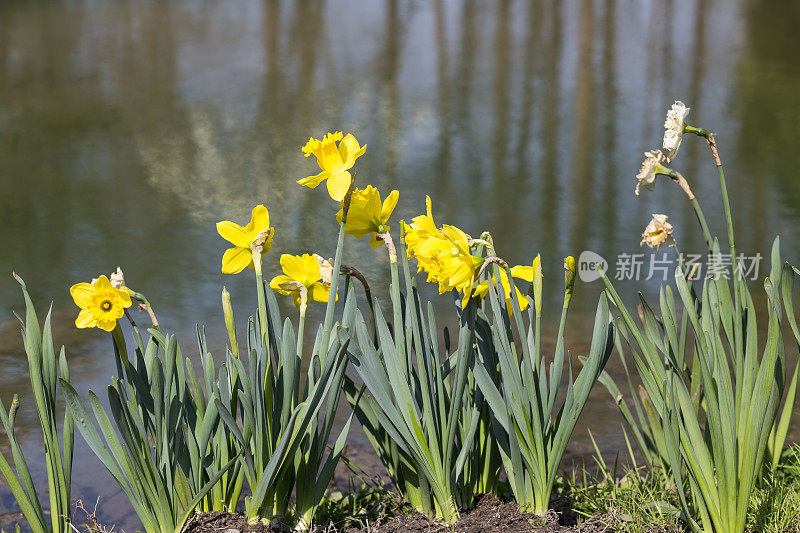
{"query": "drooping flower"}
pixel 658 233
pixel 367 216
pixel 647 173
pixel 101 304
pixel 335 162
pixel 673 125
pixel 301 272
pixel 258 231
pixel 524 273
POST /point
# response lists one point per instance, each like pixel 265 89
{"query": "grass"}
pixel 636 502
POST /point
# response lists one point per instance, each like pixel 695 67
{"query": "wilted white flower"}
pixel 647 174
pixel 325 269
pixel 658 233
pixel 117 279
pixel 673 132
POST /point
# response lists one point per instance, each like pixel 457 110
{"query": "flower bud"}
pixel 230 322
pixel 569 278
pixel 537 284
pixel 12 412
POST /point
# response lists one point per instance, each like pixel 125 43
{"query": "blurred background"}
pixel 129 128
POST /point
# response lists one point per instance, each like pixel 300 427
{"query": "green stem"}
pixel 703 225
pixel 727 204
pixel 301 330
pixel 262 306
pixel 334 290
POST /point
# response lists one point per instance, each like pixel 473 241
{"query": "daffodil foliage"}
pixel 531 428
pixel 45 367
pixel 158 441
pixel 710 424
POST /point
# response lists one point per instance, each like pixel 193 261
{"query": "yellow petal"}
pixel 107 324
pixel 339 184
pixel 319 292
pixel 372 202
pixel 292 266
pixel 122 298
pixel 374 241
pixel 329 158
pixel 85 319
pixel 102 284
pixel 259 220
pixel 233 233
pixel 235 260
pixel 83 294
pixel 349 150
pixel 388 205
pixel 313 181
pixel 311 271
pixel 523 300
pixel 523 272
pixel 277 281
pixel 482 289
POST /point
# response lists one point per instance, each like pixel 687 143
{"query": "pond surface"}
pixel 127 129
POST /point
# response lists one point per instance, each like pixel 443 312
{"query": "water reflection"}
pixel 127 129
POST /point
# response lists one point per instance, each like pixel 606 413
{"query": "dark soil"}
pixel 490 515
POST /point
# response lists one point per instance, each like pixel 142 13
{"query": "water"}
pixel 127 129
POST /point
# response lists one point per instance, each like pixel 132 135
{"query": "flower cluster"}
pixel 444 254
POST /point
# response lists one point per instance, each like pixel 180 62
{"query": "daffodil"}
pixel 650 168
pixel 257 231
pixel 335 162
pixel 367 215
pixel 301 273
pixel 674 125
pixel 524 273
pixel 101 304
pixel 447 260
pixel 658 233
pixel 421 228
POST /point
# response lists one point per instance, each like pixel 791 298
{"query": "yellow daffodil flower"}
pixel 421 228
pixel 301 271
pixel 448 261
pixel 444 254
pixel 101 304
pixel 240 256
pixel 367 216
pixel 335 162
pixel 524 273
